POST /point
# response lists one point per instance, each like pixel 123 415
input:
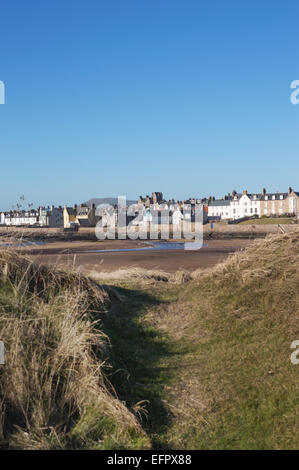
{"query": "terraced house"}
pixel 219 208
pixel 238 205
pixel 280 203
pixel 245 205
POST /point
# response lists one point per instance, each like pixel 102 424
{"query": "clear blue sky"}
pixel 189 97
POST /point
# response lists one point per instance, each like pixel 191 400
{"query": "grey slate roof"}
pixel 220 202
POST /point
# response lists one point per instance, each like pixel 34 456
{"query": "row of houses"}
pixel 231 207
pixel 41 217
pixel 238 205
pixel 56 217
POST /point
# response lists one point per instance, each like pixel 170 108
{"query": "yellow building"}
pixel 69 216
pixel 82 216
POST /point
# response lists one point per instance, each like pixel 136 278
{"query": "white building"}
pixel 235 206
pixel 245 205
pixel 41 217
pixel 20 218
pixel 220 208
pixel 51 216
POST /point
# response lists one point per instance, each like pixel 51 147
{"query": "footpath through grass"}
pixel 190 361
pixel 212 356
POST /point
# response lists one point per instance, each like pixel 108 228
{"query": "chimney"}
pixel 264 191
pixel 290 190
pixel 245 192
pixel 234 193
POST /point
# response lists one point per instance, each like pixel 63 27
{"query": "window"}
pixel 266 198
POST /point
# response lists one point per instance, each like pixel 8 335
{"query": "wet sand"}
pixel 81 255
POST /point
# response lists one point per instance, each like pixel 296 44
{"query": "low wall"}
pixel 247 231
pixel 88 233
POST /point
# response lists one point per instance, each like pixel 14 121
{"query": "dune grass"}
pixel 238 388
pixel 187 361
pixel 220 375
pixel 54 390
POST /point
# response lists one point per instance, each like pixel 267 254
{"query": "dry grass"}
pixel 213 346
pixel 233 328
pixel 131 274
pixel 225 379
pixel 142 276
pixel 54 393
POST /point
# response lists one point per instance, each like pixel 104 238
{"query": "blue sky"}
pixel 191 98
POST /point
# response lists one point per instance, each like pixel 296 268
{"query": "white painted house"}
pixel 245 205
pixel 20 218
pixel 235 206
pixel 220 208
pixel 42 217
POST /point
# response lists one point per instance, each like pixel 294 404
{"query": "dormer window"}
pixel 273 197
pixel 281 196
pixel 266 198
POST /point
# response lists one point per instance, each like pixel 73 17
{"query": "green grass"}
pixel 213 356
pixel 198 362
pixel 54 392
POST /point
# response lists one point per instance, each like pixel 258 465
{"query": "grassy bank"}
pixel 217 371
pixel 198 360
pixel 54 390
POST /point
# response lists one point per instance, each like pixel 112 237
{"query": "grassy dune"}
pixel 234 328
pixel 54 390
pixel 198 360
pixel 212 353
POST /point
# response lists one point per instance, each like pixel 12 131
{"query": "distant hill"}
pixel 106 200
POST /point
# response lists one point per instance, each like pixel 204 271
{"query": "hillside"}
pixel 106 200
pixel 214 358
pixel 193 361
